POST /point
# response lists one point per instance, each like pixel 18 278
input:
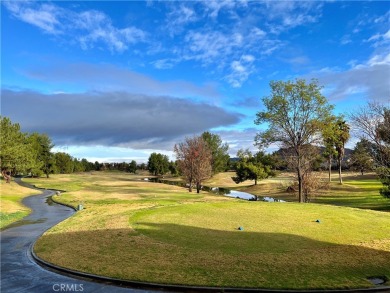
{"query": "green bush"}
pixel 384 177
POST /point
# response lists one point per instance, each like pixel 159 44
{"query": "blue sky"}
pixel 115 81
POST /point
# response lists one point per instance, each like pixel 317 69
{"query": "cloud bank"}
pixel 112 118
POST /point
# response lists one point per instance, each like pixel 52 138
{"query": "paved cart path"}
pixel 19 272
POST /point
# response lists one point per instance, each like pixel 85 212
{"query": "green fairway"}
pixel 153 232
pixel 11 198
pixel 357 191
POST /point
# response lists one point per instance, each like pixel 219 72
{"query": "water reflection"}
pixel 219 191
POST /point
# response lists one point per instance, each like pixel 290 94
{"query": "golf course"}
pixel 133 229
pixel 11 208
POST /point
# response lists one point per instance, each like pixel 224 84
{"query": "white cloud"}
pixel 229 50
pixel 290 14
pixel 164 63
pixel 179 17
pixel 378 39
pixel 89 28
pixel 240 70
pixel 379 60
pixel 209 46
pixel 258 33
pixel 213 8
pixel 383 18
pixel 370 79
pixel 45 16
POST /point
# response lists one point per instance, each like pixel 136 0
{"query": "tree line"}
pixel 31 153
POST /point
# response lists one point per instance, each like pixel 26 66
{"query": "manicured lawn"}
pixel 11 197
pixel 153 232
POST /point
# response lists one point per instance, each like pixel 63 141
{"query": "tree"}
pixel 158 164
pixel 328 140
pixel 219 152
pixel 251 167
pixel 383 128
pixel 15 149
pixel 63 163
pixel 372 121
pixel 173 168
pixel 384 177
pixel 341 137
pixel 312 183
pixel 42 145
pixel 194 161
pixel 132 167
pixel 383 131
pixel 88 166
pixel 309 162
pixel 78 166
pixel 296 113
pixel 97 166
pixel 335 134
pixel 361 159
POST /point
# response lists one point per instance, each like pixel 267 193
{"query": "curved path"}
pixel 19 272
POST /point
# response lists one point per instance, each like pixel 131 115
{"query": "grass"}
pixel 357 191
pixel 11 205
pixel 153 232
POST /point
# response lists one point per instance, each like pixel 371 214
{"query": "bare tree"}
pixel 194 161
pixel 370 122
pixel 311 181
pixel 312 184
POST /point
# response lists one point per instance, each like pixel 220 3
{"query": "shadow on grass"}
pixel 177 254
pixel 355 202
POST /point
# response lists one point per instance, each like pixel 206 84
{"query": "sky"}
pixel 115 81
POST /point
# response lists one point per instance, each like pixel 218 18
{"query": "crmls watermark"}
pixel 68 288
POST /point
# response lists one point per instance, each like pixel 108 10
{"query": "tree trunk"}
pixel 190 187
pixel 300 189
pixel 255 181
pixel 362 171
pixel 330 168
pixel 198 186
pixel 300 179
pixel 340 179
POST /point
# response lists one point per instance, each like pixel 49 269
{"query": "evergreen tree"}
pixel 132 167
pixel 158 164
pixel 15 149
pixel 253 167
pixel 42 145
pixel 219 152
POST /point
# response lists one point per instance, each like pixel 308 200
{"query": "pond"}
pixel 219 191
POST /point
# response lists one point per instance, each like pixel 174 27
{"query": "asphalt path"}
pixel 20 273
